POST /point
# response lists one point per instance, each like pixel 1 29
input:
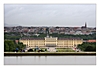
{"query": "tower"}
pixel 85 25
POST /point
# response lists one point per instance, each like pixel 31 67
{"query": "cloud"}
pixel 48 14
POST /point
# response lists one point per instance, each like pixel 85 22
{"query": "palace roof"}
pixel 32 38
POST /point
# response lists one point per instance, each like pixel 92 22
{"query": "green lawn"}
pixel 64 50
pixel 59 50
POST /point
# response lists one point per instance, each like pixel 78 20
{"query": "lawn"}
pixel 58 50
pixel 64 50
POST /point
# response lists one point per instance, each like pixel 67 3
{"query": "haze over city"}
pixel 69 15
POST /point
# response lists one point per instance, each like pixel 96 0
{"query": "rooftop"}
pixel 91 40
pixel 32 38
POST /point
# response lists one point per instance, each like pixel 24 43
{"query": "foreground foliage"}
pixel 10 46
pixel 87 46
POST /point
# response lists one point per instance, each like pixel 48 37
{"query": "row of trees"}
pixel 84 37
pixel 10 46
pixel 14 36
pixel 87 46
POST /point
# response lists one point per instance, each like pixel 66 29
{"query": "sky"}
pixel 69 15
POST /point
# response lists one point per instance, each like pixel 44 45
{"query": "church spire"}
pixel 85 25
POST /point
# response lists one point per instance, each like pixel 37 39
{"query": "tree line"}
pixel 86 46
pixel 17 36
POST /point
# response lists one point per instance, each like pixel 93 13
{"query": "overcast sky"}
pixel 50 14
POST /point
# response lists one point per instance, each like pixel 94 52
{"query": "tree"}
pixel 6 47
pixel 89 48
pixel 10 46
pixel 85 46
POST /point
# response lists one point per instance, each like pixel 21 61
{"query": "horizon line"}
pixel 45 26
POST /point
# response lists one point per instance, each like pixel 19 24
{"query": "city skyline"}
pixel 69 15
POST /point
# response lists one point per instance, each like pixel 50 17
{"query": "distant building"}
pixel 84 26
pixel 78 33
pixel 91 41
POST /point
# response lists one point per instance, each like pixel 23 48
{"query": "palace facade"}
pixel 51 42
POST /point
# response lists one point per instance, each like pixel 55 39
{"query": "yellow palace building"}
pixel 51 42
